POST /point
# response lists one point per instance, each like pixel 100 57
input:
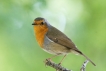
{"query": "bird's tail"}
pixel 88 59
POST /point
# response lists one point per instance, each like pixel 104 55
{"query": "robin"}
pixel 54 41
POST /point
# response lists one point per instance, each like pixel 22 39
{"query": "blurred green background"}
pixel 84 21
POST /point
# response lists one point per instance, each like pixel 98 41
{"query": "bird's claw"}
pixel 45 61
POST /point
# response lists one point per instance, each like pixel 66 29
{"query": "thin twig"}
pixel 84 65
pixel 55 66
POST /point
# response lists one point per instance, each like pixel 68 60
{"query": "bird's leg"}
pixel 62 60
pixel 59 64
pixel 51 57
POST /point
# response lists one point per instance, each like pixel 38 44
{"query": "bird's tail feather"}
pixel 88 59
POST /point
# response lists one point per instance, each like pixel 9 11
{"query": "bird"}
pixel 53 41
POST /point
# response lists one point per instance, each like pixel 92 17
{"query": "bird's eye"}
pixel 42 23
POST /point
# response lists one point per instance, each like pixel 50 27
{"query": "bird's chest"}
pixel 54 48
pixel 40 35
pixel 40 39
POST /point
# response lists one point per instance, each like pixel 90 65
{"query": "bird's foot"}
pixel 45 61
pixel 59 65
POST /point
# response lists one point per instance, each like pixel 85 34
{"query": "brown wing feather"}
pixel 60 38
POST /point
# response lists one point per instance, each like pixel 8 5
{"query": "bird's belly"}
pixel 54 48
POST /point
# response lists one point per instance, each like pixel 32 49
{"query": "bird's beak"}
pixel 33 24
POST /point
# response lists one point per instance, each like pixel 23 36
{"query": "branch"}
pixel 84 65
pixel 55 66
pixel 60 68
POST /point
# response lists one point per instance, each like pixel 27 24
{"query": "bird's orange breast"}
pixel 40 32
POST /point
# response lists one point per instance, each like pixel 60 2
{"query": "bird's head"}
pixel 40 24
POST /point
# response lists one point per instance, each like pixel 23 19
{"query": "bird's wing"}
pixel 60 38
